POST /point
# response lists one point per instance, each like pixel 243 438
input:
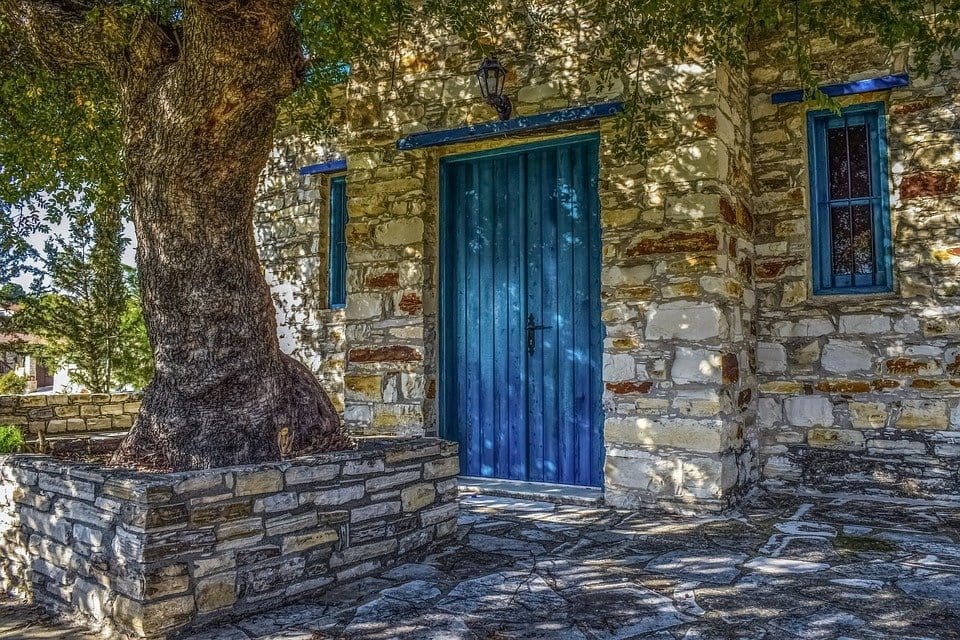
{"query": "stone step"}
pixel 536 491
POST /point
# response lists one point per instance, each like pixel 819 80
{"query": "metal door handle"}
pixel 531 326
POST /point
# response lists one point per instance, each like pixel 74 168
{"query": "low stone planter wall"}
pixel 152 555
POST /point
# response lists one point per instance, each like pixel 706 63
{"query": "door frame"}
pixel 449 424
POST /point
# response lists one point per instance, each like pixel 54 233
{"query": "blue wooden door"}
pixel 521 339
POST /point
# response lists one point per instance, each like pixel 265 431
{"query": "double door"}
pixel 520 333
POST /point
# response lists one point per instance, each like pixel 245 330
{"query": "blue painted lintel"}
pixel 333 166
pixel 846 88
pixel 515 125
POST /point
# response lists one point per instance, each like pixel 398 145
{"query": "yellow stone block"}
pixel 782 386
pixel 364 387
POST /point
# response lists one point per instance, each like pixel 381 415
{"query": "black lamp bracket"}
pixel 502 104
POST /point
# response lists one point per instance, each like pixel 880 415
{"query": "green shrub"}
pixel 11 384
pixel 11 439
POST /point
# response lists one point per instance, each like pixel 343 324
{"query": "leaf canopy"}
pixel 61 102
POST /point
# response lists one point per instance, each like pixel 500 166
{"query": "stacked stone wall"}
pixel 391 314
pixel 717 355
pixel 677 281
pixel 678 304
pixel 860 393
pixel 58 415
pixel 677 292
pixel 148 555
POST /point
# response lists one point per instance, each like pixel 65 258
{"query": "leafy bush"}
pixel 11 439
pixel 11 384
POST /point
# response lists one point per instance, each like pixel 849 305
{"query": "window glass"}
pixel 338 243
pixel 850 205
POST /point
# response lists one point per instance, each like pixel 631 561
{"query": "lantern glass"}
pixel 492 78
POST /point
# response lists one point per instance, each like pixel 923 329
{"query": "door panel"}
pixel 520 328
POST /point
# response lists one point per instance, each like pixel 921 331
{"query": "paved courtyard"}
pixel 784 567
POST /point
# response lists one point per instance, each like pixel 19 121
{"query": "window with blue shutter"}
pixel 850 201
pixel 338 243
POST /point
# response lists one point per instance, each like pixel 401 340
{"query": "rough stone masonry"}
pixel 147 555
pixel 721 368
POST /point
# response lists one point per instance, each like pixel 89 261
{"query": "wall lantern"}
pixel 492 77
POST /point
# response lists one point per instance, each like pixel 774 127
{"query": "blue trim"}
pixel 516 125
pixel 824 281
pixel 519 148
pixel 337 247
pixel 333 166
pixel 882 83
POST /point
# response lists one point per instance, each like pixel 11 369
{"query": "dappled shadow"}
pixel 784 567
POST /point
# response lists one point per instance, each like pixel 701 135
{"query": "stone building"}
pixel 768 299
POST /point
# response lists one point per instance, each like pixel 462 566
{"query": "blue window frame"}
pixel 850 201
pixel 337 267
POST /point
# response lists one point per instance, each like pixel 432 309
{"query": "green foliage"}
pixel 11 384
pixel 11 439
pixel 59 148
pixel 91 319
pixel 61 122
pixel 11 292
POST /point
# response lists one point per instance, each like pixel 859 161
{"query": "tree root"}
pixel 264 419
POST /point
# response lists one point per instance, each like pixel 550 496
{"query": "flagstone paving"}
pixel 781 568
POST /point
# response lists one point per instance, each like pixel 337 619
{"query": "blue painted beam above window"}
pixel 333 166
pixel 882 83
pixel 506 127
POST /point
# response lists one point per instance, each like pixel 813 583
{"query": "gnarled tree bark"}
pixel 200 102
pixel 197 136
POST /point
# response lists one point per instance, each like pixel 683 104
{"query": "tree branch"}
pixel 64 34
pixel 56 35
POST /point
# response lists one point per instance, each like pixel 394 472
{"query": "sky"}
pixel 37 240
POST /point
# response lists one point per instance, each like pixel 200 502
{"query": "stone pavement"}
pixel 784 567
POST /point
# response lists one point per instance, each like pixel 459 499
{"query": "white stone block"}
pixel 618 366
pixel 865 323
pixel 703 436
pixel 362 306
pixel 615 276
pixel 402 231
pixel 692 366
pixel 771 357
pixel 907 324
pixel 769 413
pixel 840 356
pixel 358 413
pixel 804 328
pixel 684 320
pixel 809 411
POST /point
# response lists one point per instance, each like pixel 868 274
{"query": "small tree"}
pixel 90 318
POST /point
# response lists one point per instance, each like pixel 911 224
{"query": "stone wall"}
pixel 291 225
pixel 680 395
pixel 148 555
pixel 716 352
pixel 70 417
pixel 678 305
pixel 860 393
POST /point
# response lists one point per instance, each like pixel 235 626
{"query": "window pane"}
pixel 838 163
pixel 862 219
pixel 840 247
pixel 859 161
pixel 338 243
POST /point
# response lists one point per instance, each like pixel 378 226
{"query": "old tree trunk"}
pixel 199 107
